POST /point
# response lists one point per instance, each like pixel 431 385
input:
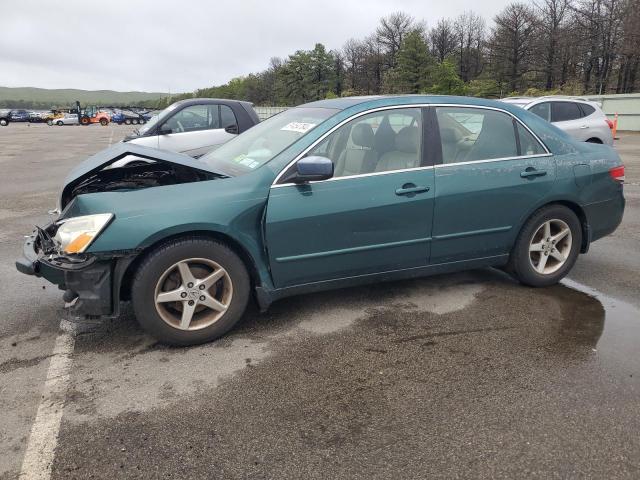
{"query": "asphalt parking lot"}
pixel 452 376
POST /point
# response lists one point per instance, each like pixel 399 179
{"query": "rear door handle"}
pixel 584 126
pixel 531 172
pixel 411 189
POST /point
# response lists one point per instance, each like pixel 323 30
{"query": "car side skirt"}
pixel 266 297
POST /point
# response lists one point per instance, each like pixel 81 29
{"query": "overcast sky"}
pixel 182 45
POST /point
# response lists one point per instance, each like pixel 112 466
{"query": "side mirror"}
pixel 310 169
pixel 164 130
pixel 232 129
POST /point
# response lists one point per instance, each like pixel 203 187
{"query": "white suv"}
pixel 580 118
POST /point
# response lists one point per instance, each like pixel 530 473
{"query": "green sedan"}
pixel 327 195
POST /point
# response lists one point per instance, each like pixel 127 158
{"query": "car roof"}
pixel 549 98
pixel 200 101
pixel 373 101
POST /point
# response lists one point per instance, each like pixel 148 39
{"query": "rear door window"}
pixel 565 111
pixel 543 110
pixel 472 134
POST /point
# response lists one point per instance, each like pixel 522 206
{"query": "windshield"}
pixel 154 120
pixel 261 143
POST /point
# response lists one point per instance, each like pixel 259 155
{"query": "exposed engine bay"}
pixel 134 176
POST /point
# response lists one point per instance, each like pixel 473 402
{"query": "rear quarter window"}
pixel 587 109
pixel 565 111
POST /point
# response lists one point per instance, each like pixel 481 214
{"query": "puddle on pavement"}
pixel 609 326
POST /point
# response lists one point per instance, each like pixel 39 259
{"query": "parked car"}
pixel 5 117
pixel 67 119
pixel 196 126
pixel 580 118
pixel 330 194
pixel 39 116
pixel 19 116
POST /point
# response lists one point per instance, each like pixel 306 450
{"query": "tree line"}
pixel 549 46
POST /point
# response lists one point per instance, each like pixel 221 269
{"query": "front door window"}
pixel 194 118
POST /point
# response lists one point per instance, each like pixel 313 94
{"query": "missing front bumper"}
pixel 89 279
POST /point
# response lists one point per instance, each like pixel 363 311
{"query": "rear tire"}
pixel 547 247
pixel 594 140
pixel 180 268
pixel 127 121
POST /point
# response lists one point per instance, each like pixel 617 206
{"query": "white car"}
pixel 195 126
pixel 68 119
pixel 579 117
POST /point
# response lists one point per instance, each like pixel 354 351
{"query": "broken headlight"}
pixel 75 234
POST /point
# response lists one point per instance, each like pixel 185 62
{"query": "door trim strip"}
pixel 471 233
pixel 344 251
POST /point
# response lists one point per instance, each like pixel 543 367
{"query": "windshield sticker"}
pixel 299 127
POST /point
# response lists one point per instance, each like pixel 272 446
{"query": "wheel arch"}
pixel 126 279
pixel 575 208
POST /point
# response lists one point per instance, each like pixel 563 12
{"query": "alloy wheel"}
pixel 193 294
pixel 550 246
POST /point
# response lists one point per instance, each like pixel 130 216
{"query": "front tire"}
pixel 4 122
pixel 59 123
pixel 547 247
pixel 190 290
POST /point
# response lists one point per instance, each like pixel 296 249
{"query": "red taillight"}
pixel 617 173
pixel 610 123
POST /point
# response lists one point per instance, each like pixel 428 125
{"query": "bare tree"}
pixel 354 53
pixel 470 31
pixel 552 15
pixel 629 48
pixel 391 32
pixel 443 39
pixel 600 24
pixel 374 64
pixel 513 43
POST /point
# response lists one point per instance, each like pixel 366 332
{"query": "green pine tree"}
pixel 411 74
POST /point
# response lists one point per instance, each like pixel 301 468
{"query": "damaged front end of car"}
pixel 86 278
pixel 60 251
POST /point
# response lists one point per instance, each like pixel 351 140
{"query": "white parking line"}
pixel 111 138
pixel 38 458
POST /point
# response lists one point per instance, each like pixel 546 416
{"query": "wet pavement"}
pixel 452 376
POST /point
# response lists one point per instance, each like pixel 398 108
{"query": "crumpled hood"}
pixel 118 151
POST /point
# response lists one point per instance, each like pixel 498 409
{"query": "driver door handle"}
pixel 410 188
pixel 531 172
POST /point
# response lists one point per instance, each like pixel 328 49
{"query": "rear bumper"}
pixel 92 283
pixel 605 217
